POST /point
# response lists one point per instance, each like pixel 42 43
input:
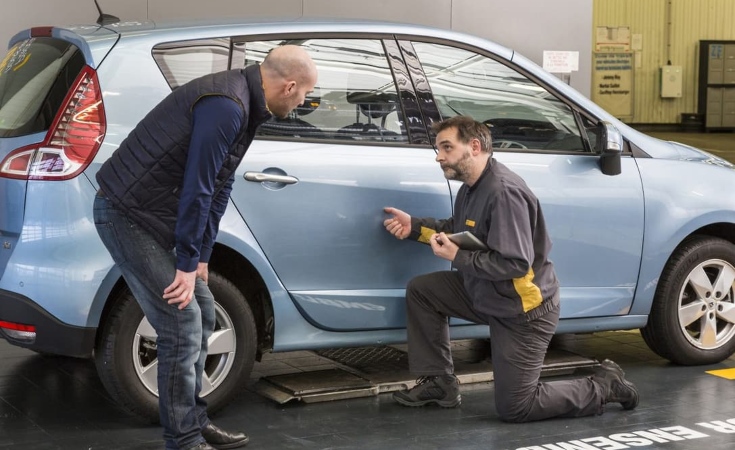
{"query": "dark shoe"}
pixel 442 390
pixel 617 389
pixel 221 439
pixel 202 446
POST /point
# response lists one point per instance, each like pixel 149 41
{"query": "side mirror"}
pixel 609 147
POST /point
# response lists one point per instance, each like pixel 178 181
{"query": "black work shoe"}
pixel 617 389
pixel 442 390
pixel 202 446
pixel 221 439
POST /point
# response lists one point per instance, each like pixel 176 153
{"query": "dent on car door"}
pixel 313 186
pixel 595 221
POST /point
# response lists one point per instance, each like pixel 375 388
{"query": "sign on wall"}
pixel 612 39
pixel 561 64
pixel 612 83
pixel 561 61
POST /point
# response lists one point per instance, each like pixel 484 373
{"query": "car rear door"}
pixel 312 187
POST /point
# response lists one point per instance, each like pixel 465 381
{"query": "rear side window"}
pixel 184 61
pixel 356 98
pixel 35 76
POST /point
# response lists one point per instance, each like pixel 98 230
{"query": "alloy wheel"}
pixel 707 304
pixel 220 358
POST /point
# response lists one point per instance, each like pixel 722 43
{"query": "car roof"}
pixel 150 26
pixel 175 30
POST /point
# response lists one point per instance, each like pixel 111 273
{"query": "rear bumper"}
pixel 52 336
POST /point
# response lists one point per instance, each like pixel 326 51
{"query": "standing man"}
pixel 162 195
pixel 512 287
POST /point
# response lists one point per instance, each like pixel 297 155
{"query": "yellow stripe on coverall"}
pixel 530 293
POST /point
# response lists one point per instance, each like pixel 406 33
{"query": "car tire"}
pixel 126 360
pixel 691 320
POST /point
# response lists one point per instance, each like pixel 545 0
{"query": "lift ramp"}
pixel 338 374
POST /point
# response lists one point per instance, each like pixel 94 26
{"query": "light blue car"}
pixel 643 230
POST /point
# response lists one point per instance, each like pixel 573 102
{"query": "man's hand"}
pixel 203 272
pixel 443 247
pixel 181 291
pixel 399 225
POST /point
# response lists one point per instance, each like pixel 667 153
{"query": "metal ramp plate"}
pixel 369 371
pixel 315 386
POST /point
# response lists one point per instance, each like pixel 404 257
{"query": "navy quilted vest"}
pixel 143 176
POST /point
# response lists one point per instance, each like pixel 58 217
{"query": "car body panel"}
pixel 59 259
pixel 12 200
pixel 333 276
pixel 324 234
pixel 677 210
pixel 596 224
pixel 129 91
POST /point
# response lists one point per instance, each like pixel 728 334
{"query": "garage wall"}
pixel 528 26
pixel 690 21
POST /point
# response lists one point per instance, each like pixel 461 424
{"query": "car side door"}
pixel 312 186
pixel 595 220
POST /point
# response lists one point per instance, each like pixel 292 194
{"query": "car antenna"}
pixel 105 19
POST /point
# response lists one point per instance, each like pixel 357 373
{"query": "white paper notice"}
pixel 637 42
pixel 560 61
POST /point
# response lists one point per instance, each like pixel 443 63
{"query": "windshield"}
pixel 35 76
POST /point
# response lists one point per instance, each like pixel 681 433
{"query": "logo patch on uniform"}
pixel 469 223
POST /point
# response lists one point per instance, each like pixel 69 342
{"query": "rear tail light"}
pixel 72 141
pixel 18 331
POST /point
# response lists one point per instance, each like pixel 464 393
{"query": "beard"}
pixel 460 170
pixel 279 108
pixel 279 112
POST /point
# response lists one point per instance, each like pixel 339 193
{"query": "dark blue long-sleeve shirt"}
pixel 216 124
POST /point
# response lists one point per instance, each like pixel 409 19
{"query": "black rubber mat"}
pixel 368 360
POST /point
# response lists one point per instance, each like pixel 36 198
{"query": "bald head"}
pixel 288 75
pixel 289 62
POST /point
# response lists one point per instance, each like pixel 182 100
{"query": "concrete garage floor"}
pixel 59 403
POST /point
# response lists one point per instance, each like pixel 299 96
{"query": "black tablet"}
pixel 467 241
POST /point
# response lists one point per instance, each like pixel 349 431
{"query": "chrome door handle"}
pixel 260 177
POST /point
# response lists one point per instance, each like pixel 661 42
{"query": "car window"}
pixel 592 131
pixel 181 62
pixel 35 77
pixel 520 113
pixel 355 98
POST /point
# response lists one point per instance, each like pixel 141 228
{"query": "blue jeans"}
pixel 148 269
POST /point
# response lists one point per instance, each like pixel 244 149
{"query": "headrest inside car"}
pixel 374 104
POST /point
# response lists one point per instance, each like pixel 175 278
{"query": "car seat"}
pixel 368 108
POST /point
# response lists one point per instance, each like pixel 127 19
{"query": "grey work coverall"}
pixel 512 287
